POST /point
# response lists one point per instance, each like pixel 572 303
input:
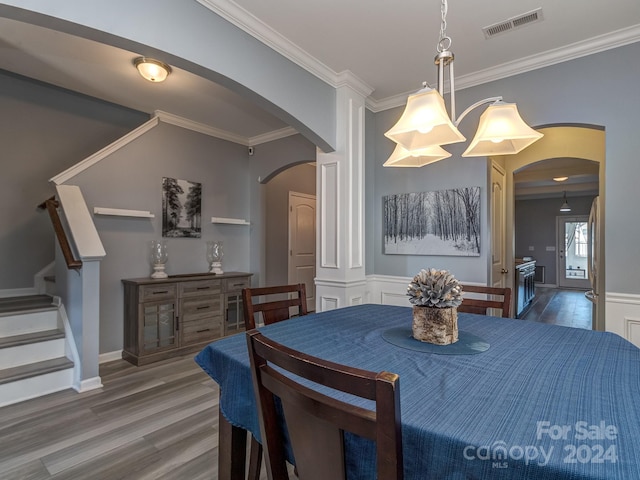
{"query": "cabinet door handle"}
pixel 238 284
pixel 203 288
pixel 204 307
pixel 203 330
pixel 177 323
pixel 158 292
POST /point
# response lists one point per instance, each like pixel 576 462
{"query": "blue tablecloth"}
pixel 543 402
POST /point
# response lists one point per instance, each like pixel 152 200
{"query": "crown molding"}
pixel 598 44
pixel 245 21
pixel 271 136
pixel 347 78
pixel 250 24
pixel 160 116
pixel 200 127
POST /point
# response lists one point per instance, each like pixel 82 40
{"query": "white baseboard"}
pixel 110 356
pixel 88 384
pixel 17 292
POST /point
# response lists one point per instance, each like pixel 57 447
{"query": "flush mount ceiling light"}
pixel 153 70
pixel 560 179
pixel 565 206
pixel 425 122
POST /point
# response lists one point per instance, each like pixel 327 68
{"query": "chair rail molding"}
pixel 622 315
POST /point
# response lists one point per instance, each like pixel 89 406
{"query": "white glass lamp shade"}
pixel 401 157
pixel 501 132
pixel 424 122
pixel 153 70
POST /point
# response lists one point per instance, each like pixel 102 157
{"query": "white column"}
pixel 340 269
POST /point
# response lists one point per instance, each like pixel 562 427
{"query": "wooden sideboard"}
pixel 180 314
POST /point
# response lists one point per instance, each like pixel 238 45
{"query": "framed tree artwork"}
pixel 444 222
pixel 181 208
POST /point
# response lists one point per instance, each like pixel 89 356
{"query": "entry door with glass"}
pixel 573 251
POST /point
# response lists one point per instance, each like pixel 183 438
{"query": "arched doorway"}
pixel 571 141
pixel 289 217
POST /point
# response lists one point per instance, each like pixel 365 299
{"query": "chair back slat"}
pixel 481 305
pixel 273 311
pixel 315 420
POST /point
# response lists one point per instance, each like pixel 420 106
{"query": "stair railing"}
pixel 51 205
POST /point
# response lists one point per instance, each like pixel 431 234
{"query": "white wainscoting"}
pixel 387 290
pixel 622 315
pixel 390 290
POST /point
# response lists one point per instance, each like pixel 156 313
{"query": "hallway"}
pixel 567 308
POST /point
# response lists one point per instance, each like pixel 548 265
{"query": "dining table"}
pixel 512 399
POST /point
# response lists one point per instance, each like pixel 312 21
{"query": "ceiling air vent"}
pixel 513 23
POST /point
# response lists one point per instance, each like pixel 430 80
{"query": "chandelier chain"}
pixel 444 43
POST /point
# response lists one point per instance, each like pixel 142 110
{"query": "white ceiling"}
pixel 389 45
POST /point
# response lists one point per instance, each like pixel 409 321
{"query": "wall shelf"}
pixel 230 221
pixel 119 212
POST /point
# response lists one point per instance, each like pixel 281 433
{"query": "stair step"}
pixel 29 338
pixel 34 369
pixel 26 303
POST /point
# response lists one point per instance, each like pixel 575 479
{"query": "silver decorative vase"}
pixel 214 257
pixel 159 257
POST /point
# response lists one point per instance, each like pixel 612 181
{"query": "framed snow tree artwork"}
pixel 181 208
pixel 444 222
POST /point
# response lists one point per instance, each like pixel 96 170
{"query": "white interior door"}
pixel 573 251
pixel 302 243
pixel 499 268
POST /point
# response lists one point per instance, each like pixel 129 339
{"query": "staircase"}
pixel 33 349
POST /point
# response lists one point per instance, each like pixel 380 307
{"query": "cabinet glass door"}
pixel 234 320
pixel 159 329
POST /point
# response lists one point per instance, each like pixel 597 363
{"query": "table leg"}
pixel 232 450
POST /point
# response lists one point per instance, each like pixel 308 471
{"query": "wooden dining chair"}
pixel 273 311
pixel 481 305
pixel 316 422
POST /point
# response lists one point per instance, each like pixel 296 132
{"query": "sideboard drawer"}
pixel 193 308
pixel 149 293
pixel 201 330
pixel 235 285
pixel 200 287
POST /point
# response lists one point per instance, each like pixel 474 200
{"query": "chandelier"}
pixel 425 124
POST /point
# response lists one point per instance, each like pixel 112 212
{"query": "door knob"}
pixel 504 270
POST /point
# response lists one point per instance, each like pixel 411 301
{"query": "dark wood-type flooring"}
pixel 156 422
pixel 568 308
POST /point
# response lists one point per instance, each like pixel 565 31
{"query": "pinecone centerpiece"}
pixel 435 296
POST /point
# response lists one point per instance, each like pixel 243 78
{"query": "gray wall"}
pixel 535 226
pixel 600 89
pixel 300 179
pixel 131 178
pixel 43 131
